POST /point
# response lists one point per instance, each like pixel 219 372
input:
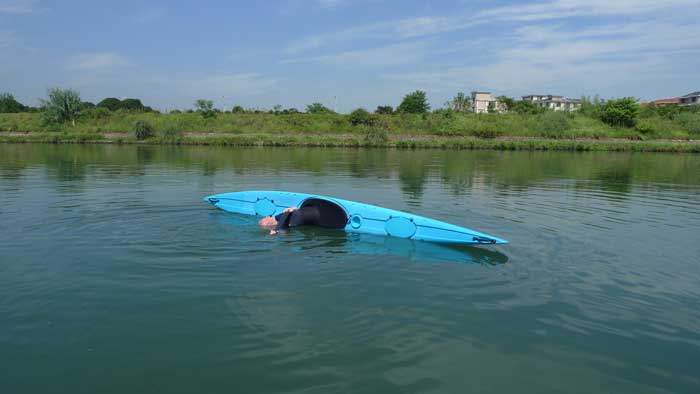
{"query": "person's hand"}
pixel 290 209
pixel 273 232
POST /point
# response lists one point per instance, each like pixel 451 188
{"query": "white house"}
pixel 690 99
pixel 482 100
pixel 553 102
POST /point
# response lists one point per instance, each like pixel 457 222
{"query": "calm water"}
pixel 116 278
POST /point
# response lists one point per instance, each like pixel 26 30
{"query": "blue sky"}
pixel 347 53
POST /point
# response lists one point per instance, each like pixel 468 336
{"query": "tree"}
pixel 360 116
pixel 131 104
pixel 527 107
pixel 110 103
pixel 384 110
pixel 621 112
pixel 414 103
pixel 318 108
pixel 205 107
pixel 492 107
pixel 460 103
pixel 508 102
pixel 8 104
pixel 61 105
pixel 237 109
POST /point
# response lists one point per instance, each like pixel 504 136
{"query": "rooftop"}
pixel 692 94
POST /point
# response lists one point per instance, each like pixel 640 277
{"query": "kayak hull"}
pixel 361 218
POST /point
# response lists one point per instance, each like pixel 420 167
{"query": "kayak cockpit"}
pixel 332 214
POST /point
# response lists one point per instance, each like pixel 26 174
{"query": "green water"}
pixel 115 277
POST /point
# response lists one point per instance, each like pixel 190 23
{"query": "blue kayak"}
pixel 352 216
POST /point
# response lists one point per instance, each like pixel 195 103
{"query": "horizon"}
pixel 170 54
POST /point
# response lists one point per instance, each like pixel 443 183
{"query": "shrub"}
pixel 360 116
pixel 414 103
pixel 110 103
pixel 376 136
pixel 318 108
pixel 8 104
pixel 237 110
pixel 690 122
pixel 645 127
pixel 97 113
pixel 486 130
pixel 171 133
pixel 621 112
pixel 553 124
pixel 205 108
pixel 384 110
pixel 62 105
pixel 142 130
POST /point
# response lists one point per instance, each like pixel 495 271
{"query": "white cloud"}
pixel 96 61
pixel 543 11
pixel 389 55
pixel 20 7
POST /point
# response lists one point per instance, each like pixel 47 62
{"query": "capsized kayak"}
pixel 352 216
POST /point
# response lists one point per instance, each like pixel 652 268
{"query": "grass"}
pixel 548 131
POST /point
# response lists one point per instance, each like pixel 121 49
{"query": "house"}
pixel 690 99
pixel 553 102
pixel 666 101
pixel 482 100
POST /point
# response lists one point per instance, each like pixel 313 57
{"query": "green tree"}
pixel 111 103
pixel 360 116
pixel 8 104
pixel 318 108
pixel 460 103
pixel 491 107
pixel 527 107
pixel 238 110
pixel 61 105
pixel 384 110
pixel 508 102
pixel 131 104
pixel 414 103
pixel 621 112
pixel 205 107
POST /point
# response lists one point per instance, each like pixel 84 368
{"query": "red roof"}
pixel 668 101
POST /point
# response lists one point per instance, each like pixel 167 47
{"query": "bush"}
pixel 553 124
pixel 318 108
pixel 8 104
pixel 384 110
pixel 110 103
pixel 142 130
pixel 238 110
pixel 690 122
pixel 205 108
pixel 360 117
pixel 171 133
pixel 97 113
pixel 645 127
pixel 376 136
pixel 486 130
pixel 621 112
pixel 62 105
pixel 414 103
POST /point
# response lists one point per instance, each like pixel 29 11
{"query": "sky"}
pixel 347 53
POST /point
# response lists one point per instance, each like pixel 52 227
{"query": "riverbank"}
pixel 353 140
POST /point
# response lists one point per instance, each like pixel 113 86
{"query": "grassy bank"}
pixel 445 129
pixel 350 140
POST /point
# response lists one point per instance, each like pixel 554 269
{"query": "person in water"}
pixel 292 217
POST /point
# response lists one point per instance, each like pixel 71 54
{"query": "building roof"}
pixel 694 94
pixel 667 101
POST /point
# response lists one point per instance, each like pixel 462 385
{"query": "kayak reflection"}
pixel 366 244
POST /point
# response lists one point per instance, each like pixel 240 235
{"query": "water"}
pixel 116 277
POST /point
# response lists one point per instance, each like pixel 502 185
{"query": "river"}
pixel 115 276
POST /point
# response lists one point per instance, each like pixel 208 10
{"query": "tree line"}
pixel 66 106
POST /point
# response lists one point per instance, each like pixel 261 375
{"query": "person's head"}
pixel 268 222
